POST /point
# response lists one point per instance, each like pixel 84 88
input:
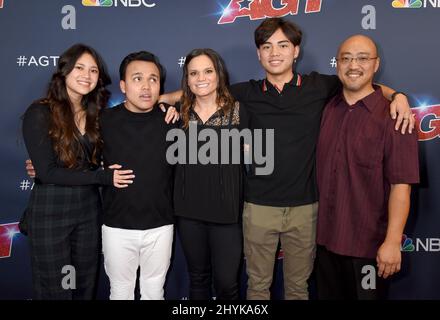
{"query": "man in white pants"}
pixel 138 220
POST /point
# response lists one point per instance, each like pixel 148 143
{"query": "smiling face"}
pixel 277 56
pixel 202 76
pixel 357 75
pixel 83 78
pixel 141 86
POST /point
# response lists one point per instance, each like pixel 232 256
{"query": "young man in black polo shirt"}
pixel 283 206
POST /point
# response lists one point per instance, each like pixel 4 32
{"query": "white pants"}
pixel 125 250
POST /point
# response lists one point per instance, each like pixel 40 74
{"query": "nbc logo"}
pixel 97 3
pixel 407 3
pixel 426 245
pixel 116 3
pixel 415 4
pixel 407 244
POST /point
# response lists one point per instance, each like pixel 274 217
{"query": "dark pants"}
pixel 341 278
pixel 64 233
pixel 212 251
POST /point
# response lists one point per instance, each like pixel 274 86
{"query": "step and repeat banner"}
pixel 34 33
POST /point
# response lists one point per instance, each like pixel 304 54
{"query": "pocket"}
pixel 368 150
pixel 245 209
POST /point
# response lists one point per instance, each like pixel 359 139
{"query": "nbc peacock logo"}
pixel 97 3
pixel 407 244
pixel 118 3
pixel 407 4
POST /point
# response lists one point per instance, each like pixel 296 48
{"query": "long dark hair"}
pixel 62 129
pixel 224 97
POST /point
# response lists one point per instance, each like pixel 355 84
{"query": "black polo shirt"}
pixel 295 115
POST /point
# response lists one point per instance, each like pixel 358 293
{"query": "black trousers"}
pixel 341 278
pixel 212 251
pixel 64 233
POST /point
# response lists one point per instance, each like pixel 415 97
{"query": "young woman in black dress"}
pixel 207 197
pixel 61 134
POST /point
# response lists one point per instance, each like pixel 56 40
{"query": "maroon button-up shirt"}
pixel 359 156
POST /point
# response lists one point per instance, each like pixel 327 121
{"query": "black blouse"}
pixel 48 167
pixel 211 192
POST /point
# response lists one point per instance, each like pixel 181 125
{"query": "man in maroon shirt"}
pixel 364 170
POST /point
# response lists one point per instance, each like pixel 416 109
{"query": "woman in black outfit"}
pixel 62 137
pixel 207 197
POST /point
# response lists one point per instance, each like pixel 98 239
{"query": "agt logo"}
pixel 7 233
pixel 116 3
pixel 428 122
pixel 261 9
pixel 415 4
pixel 427 245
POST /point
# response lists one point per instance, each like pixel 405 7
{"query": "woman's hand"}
pixel 30 170
pixel 172 115
pixel 121 178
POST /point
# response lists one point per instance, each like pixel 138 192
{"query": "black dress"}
pixel 208 206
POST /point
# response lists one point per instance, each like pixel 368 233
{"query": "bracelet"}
pixel 395 94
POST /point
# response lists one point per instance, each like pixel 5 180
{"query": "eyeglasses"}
pixel 359 60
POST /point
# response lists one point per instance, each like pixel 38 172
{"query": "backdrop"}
pixel 34 33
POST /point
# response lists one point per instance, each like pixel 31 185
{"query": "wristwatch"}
pixel 395 94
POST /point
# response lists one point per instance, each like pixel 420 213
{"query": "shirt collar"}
pixel 369 102
pixel 295 81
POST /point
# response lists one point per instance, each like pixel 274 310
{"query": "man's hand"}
pixel 121 178
pixel 388 259
pixel 30 170
pixel 172 113
pixel 401 110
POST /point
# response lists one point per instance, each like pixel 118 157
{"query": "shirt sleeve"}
pixel 331 83
pixel 239 90
pixel 401 156
pixel 41 152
